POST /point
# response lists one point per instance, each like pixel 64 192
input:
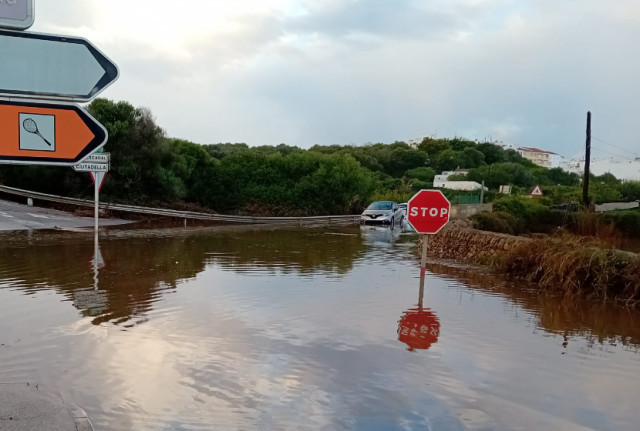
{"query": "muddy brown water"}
pixel 237 328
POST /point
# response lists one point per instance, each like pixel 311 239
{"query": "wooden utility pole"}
pixel 587 163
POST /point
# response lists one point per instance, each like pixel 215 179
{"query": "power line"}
pixel 614 154
pixel 616 146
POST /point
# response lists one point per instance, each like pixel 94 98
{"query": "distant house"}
pixel 442 182
pixel 459 185
pixel 540 157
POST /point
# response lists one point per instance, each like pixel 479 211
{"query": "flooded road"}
pixel 303 329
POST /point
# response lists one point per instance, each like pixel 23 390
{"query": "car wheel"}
pixel 392 223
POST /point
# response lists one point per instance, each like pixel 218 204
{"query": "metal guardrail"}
pixel 188 215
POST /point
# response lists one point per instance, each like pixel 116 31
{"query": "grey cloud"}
pixel 383 18
pixel 377 70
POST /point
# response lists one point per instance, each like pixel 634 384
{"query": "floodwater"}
pixel 237 328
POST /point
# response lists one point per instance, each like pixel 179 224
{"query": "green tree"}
pixel 492 153
pixel 459 144
pixel 472 158
pixel 448 160
pixel 220 151
pixel 422 173
pixel 630 190
pixel 140 155
pixel 502 174
pixel 197 170
pixel 433 146
pixel 561 177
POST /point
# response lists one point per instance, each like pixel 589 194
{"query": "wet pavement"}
pixel 15 217
pixel 24 407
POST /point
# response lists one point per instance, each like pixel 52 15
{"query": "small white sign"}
pixel 37 132
pixel 97 158
pixel 89 167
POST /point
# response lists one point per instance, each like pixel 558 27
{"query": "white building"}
pixel 442 182
pixel 459 185
pixel 540 157
pixel 622 169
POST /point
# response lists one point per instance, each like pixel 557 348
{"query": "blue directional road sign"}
pixel 54 67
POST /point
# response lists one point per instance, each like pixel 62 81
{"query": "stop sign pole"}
pixel 428 212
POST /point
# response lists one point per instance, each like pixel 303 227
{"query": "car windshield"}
pixel 380 206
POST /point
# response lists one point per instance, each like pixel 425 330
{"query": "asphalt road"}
pixel 15 216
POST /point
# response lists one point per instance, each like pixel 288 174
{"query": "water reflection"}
pixel 138 267
pixel 419 327
pixel 598 322
pixel 283 328
pixel 94 301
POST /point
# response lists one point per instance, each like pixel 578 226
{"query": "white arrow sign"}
pixel 91 167
pixel 54 67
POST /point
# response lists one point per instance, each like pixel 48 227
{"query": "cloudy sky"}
pixel 306 72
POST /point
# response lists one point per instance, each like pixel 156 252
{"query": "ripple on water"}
pixel 282 328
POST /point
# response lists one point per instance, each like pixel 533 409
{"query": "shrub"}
pixel 501 222
pixel 531 214
pixel 627 222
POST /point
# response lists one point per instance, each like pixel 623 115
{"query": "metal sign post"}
pixel 96 204
pixel 423 260
pixel 98 166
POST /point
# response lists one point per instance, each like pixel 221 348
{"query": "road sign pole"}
pixel 423 261
pixel 96 188
pixel 96 251
pixel 421 294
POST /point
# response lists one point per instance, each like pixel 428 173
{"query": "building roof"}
pixel 534 150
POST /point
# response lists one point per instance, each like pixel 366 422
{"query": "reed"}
pixel 573 265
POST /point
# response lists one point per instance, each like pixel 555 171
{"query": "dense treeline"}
pixel 149 168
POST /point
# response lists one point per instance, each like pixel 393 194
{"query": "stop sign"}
pixel 428 211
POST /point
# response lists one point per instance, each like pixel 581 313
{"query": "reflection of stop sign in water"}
pixel 419 328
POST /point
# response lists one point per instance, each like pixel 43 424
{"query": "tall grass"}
pixel 576 266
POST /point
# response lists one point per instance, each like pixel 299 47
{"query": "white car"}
pixel 382 212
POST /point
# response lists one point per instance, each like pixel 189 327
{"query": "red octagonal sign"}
pixel 428 211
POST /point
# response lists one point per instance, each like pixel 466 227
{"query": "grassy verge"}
pixel 575 266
